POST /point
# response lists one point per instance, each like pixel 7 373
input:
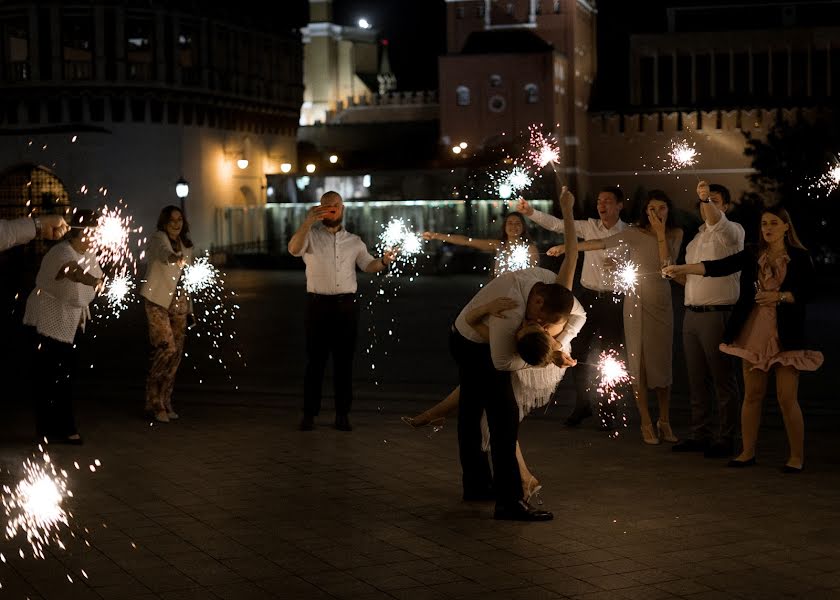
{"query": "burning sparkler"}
pixel 626 277
pixel 513 257
pixel 830 180
pixel 396 235
pixel 681 155
pixel 200 276
pixel 612 372
pixel 543 149
pixel 118 293
pixel 506 183
pixel 111 239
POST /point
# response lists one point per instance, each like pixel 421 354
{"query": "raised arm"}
pixel 566 274
pixel 494 308
pixel 462 240
pixel 297 243
pixel 585 246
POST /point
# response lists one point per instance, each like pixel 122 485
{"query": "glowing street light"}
pixel 364 23
pixel 242 163
pixel 463 145
pixel 286 167
pixel 310 168
pixel 333 158
pixel 456 149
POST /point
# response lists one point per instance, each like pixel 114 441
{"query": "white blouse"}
pixel 57 308
pixel 161 278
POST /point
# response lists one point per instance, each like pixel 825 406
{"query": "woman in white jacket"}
pixel 57 308
pixel 168 307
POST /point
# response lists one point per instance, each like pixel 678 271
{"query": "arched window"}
pixel 495 81
pixel 532 93
pixel 462 95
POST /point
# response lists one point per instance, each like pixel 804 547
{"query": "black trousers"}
pixel 331 324
pixel 53 366
pixel 604 328
pixel 484 389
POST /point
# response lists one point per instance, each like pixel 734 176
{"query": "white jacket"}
pixel 161 278
pixel 57 308
pixel 16 232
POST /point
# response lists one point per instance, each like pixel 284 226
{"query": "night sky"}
pixel 416 31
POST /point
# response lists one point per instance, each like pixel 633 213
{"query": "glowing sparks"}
pixel 681 155
pixel 396 236
pixel 543 149
pixel 34 507
pixel 612 372
pixel 830 180
pixel 513 257
pixel 118 293
pixel 626 277
pixel 200 276
pixel 111 239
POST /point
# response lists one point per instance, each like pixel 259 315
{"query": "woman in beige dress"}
pixel 654 242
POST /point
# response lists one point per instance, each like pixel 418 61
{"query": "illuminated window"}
pixel 462 95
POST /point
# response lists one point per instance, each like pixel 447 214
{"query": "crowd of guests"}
pixel 515 339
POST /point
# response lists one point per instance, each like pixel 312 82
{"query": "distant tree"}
pixel 788 163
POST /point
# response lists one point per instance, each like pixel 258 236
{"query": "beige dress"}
pixel 648 312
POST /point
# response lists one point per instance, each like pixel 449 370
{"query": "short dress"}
pixel 758 342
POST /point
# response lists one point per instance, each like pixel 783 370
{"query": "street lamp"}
pixel 182 190
pixel 310 168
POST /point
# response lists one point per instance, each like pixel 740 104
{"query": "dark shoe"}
pixel 690 445
pixel 577 417
pixel 342 423
pixel 718 450
pixel 792 469
pixel 520 511
pixel 307 423
pixel 740 464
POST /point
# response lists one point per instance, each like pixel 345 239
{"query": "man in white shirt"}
pixel 605 325
pixel 24 230
pixel 545 307
pixel 708 305
pixel 331 254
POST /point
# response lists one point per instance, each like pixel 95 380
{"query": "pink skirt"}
pixel 758 344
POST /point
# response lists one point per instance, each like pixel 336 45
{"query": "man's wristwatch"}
pixel 37 222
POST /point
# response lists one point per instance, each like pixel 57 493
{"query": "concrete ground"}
pixel 231 501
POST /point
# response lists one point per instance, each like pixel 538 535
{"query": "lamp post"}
pixel 182 190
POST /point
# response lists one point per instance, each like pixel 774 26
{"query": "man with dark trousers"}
pixel 331 254
pixel 604 327
pixel 708 305
pixel 545 309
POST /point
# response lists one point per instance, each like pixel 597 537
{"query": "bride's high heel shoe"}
pixel 532 490
pixel 665 432
pixel 416 423
pixel 648 436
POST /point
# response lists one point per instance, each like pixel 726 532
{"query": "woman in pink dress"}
pixel 767 326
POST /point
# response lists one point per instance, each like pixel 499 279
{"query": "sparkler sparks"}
pixel 543 148
pixel 681 155
pixel 508 182
pixel 396 236
pixel 626 277
pixel 612 372
pixel 830 180
pixel 513 257
pixel 111 239
pixel 34 507
pixel 200 276
pixel 118 293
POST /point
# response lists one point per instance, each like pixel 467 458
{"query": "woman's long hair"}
pixel 163 219
pixel 791 239
pixel 644 220
pixel 524 237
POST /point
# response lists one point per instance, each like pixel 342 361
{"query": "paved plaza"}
pixel 231 501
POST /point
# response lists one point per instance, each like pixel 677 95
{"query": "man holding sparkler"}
pixel 545 309
pixel 24 230
pixel 709 302
pixel 596 293
pixel 331 254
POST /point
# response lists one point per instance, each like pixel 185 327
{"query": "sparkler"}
pixel 118 293
pixel 830 180
pixel 513 257
pixel 626 277
pixel 612 372
pixel 200 276
pixel 111 238
pixel 543 148
pixel 396 235
pixel 506 183
pixel 681 155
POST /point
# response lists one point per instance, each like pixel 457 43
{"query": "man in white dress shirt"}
pixel 24 230
pixel 545 307
pixel 605 324
pixel 331 254
pixel 708 305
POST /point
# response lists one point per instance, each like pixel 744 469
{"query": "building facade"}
pixel 121 100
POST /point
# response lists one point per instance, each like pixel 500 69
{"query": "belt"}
pixel 711 308
pixel 334 297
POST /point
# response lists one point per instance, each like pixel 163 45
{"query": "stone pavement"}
pixel 232 502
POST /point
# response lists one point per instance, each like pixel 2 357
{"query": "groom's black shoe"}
pixel 521 511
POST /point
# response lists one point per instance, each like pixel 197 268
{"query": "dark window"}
pixel 799 75
pixel 684 73
pixel 665 76
pixel 495 81
pixel 703 64
pixel 74 110
pixel 156 111
pixel 11 112
pixel 761 78
pixel 188 113
pixel 138 51
pixel 819 77
pixel 479 11
pixel 741 76
pixel 77 46
pixel 138 110
pixel 97 109
pixel 172 110
pixel 835 71
pixel 532 93
pixel 459 12
pixel 33 111
pixel 462 95
pixel 722 76
pixel 17 50
pixel 118 109
pixel 54 110
pixel 780 74
pixel 646 79
pixel 200 114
